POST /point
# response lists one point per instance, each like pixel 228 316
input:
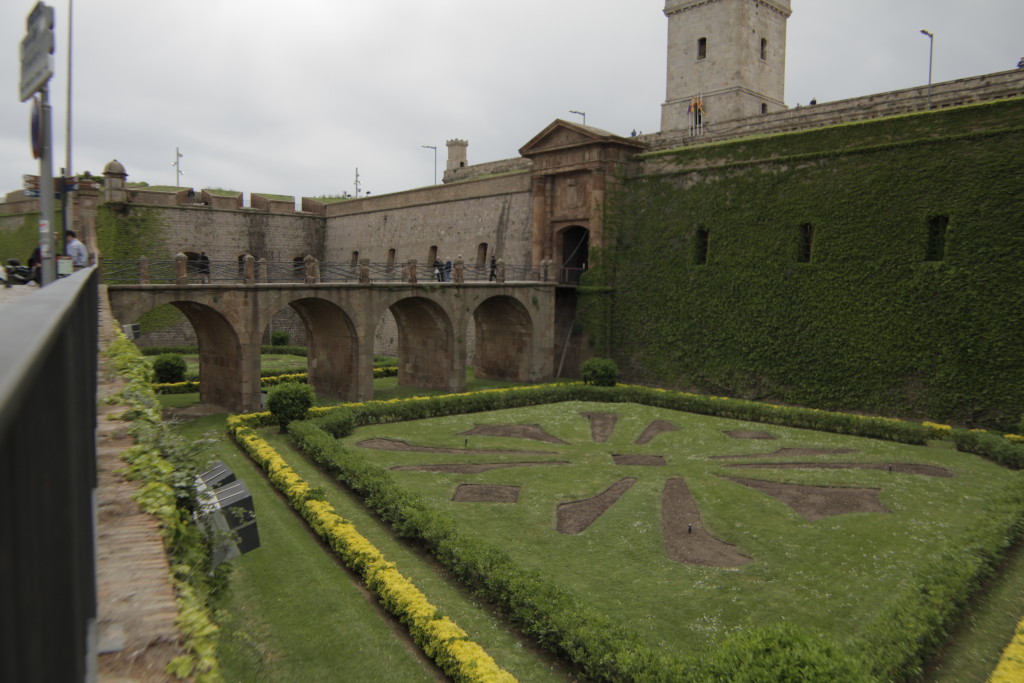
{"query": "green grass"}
pixel 292 613
pixel 829 576
pixel 976 645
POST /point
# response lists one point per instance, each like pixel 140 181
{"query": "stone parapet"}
pixel 1001 85
pixel 478 171
pixel 512 183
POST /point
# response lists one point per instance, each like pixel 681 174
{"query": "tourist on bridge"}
pixel 448 269
pixel 76 250
pixel 438 273
pixel 494 269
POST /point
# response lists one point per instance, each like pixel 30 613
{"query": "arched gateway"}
pixel 514 324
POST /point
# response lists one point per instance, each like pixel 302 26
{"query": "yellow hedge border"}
pixel 1010 668
pixel 440 638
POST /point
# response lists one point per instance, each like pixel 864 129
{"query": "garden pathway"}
pixel 137 609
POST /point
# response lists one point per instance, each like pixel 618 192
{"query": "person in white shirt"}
pixel 76 250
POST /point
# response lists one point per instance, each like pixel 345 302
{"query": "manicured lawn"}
pixel 292 613
pixel 830 575
pixel 296 614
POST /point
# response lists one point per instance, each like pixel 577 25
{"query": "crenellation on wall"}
pixel 272 203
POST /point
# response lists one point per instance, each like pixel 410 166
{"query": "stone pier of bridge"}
pixel 513 322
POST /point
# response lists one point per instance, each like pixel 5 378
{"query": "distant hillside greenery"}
pixel 873 267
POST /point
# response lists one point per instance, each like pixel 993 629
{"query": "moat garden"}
pixel 573 532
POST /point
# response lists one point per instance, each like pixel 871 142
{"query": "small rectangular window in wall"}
pixel 936 248
pixel 702 48
pixel 806 243
pixel 481 254
pixel 700 246
pixel 764 50
pixel 764 107
pixel 391 258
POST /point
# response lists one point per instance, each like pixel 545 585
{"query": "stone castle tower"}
pixel 728 57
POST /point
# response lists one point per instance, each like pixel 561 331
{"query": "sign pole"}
pixel 46 242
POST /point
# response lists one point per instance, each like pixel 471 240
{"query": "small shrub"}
pixel 169 367
pixel 338 423
pixel 279 338
pixel 601 372
pixel 290 401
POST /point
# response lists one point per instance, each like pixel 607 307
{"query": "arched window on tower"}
pixel 481 254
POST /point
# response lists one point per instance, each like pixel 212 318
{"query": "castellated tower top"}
pixel 726 60
pixel 456 154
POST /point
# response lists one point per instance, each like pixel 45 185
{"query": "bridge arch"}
pixel 427 356
pixel 504 337
pixel 221 367
pixel 334 350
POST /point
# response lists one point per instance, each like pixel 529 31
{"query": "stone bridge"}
pixel 513 325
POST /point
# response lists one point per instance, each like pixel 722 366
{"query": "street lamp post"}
pixel 931 52
pixel 435 159
pixel 581 113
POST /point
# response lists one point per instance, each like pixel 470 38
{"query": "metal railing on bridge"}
pixel 48 365
pixel 247 270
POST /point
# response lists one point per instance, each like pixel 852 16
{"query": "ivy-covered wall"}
pixel 875 267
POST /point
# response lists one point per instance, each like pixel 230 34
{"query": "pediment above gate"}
pixel 564 135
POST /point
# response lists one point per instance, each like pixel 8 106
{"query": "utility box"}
pixel 227 512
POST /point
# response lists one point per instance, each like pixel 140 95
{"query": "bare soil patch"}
pixel 471 468
pixel 601 425
pixel 686 539
pixel 818 502
pixel 575 517
pixel 380 444
pixel 655 428
pixel 515 431
pixel 896 468
pixel 748 434
pixel 194 410
pixel 633 459
pixel 485 493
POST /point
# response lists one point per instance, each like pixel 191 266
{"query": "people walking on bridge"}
pixel 76 250
pixel 448 269
pixel 204 268
pixel 494 269
pixel 438 273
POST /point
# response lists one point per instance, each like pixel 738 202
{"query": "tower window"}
pixel 481 254
pixel 806 243
pixel 702 48
pixel 936 248
pixel 764 107
pixel 764 50
pixel 391 258
pixel 700 247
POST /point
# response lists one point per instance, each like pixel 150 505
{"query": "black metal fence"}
pixel 48 356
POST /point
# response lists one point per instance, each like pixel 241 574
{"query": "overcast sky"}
pixel 290 98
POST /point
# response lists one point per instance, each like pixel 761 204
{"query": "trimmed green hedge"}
pixel 916 622
pixel 868 322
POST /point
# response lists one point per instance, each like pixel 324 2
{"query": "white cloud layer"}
pixel 290 98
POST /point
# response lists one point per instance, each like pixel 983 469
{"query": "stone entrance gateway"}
pixel 513 325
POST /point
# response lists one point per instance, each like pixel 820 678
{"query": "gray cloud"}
pixel 265 97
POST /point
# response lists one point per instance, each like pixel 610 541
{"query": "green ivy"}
pixel 126 233
pixel 868 324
